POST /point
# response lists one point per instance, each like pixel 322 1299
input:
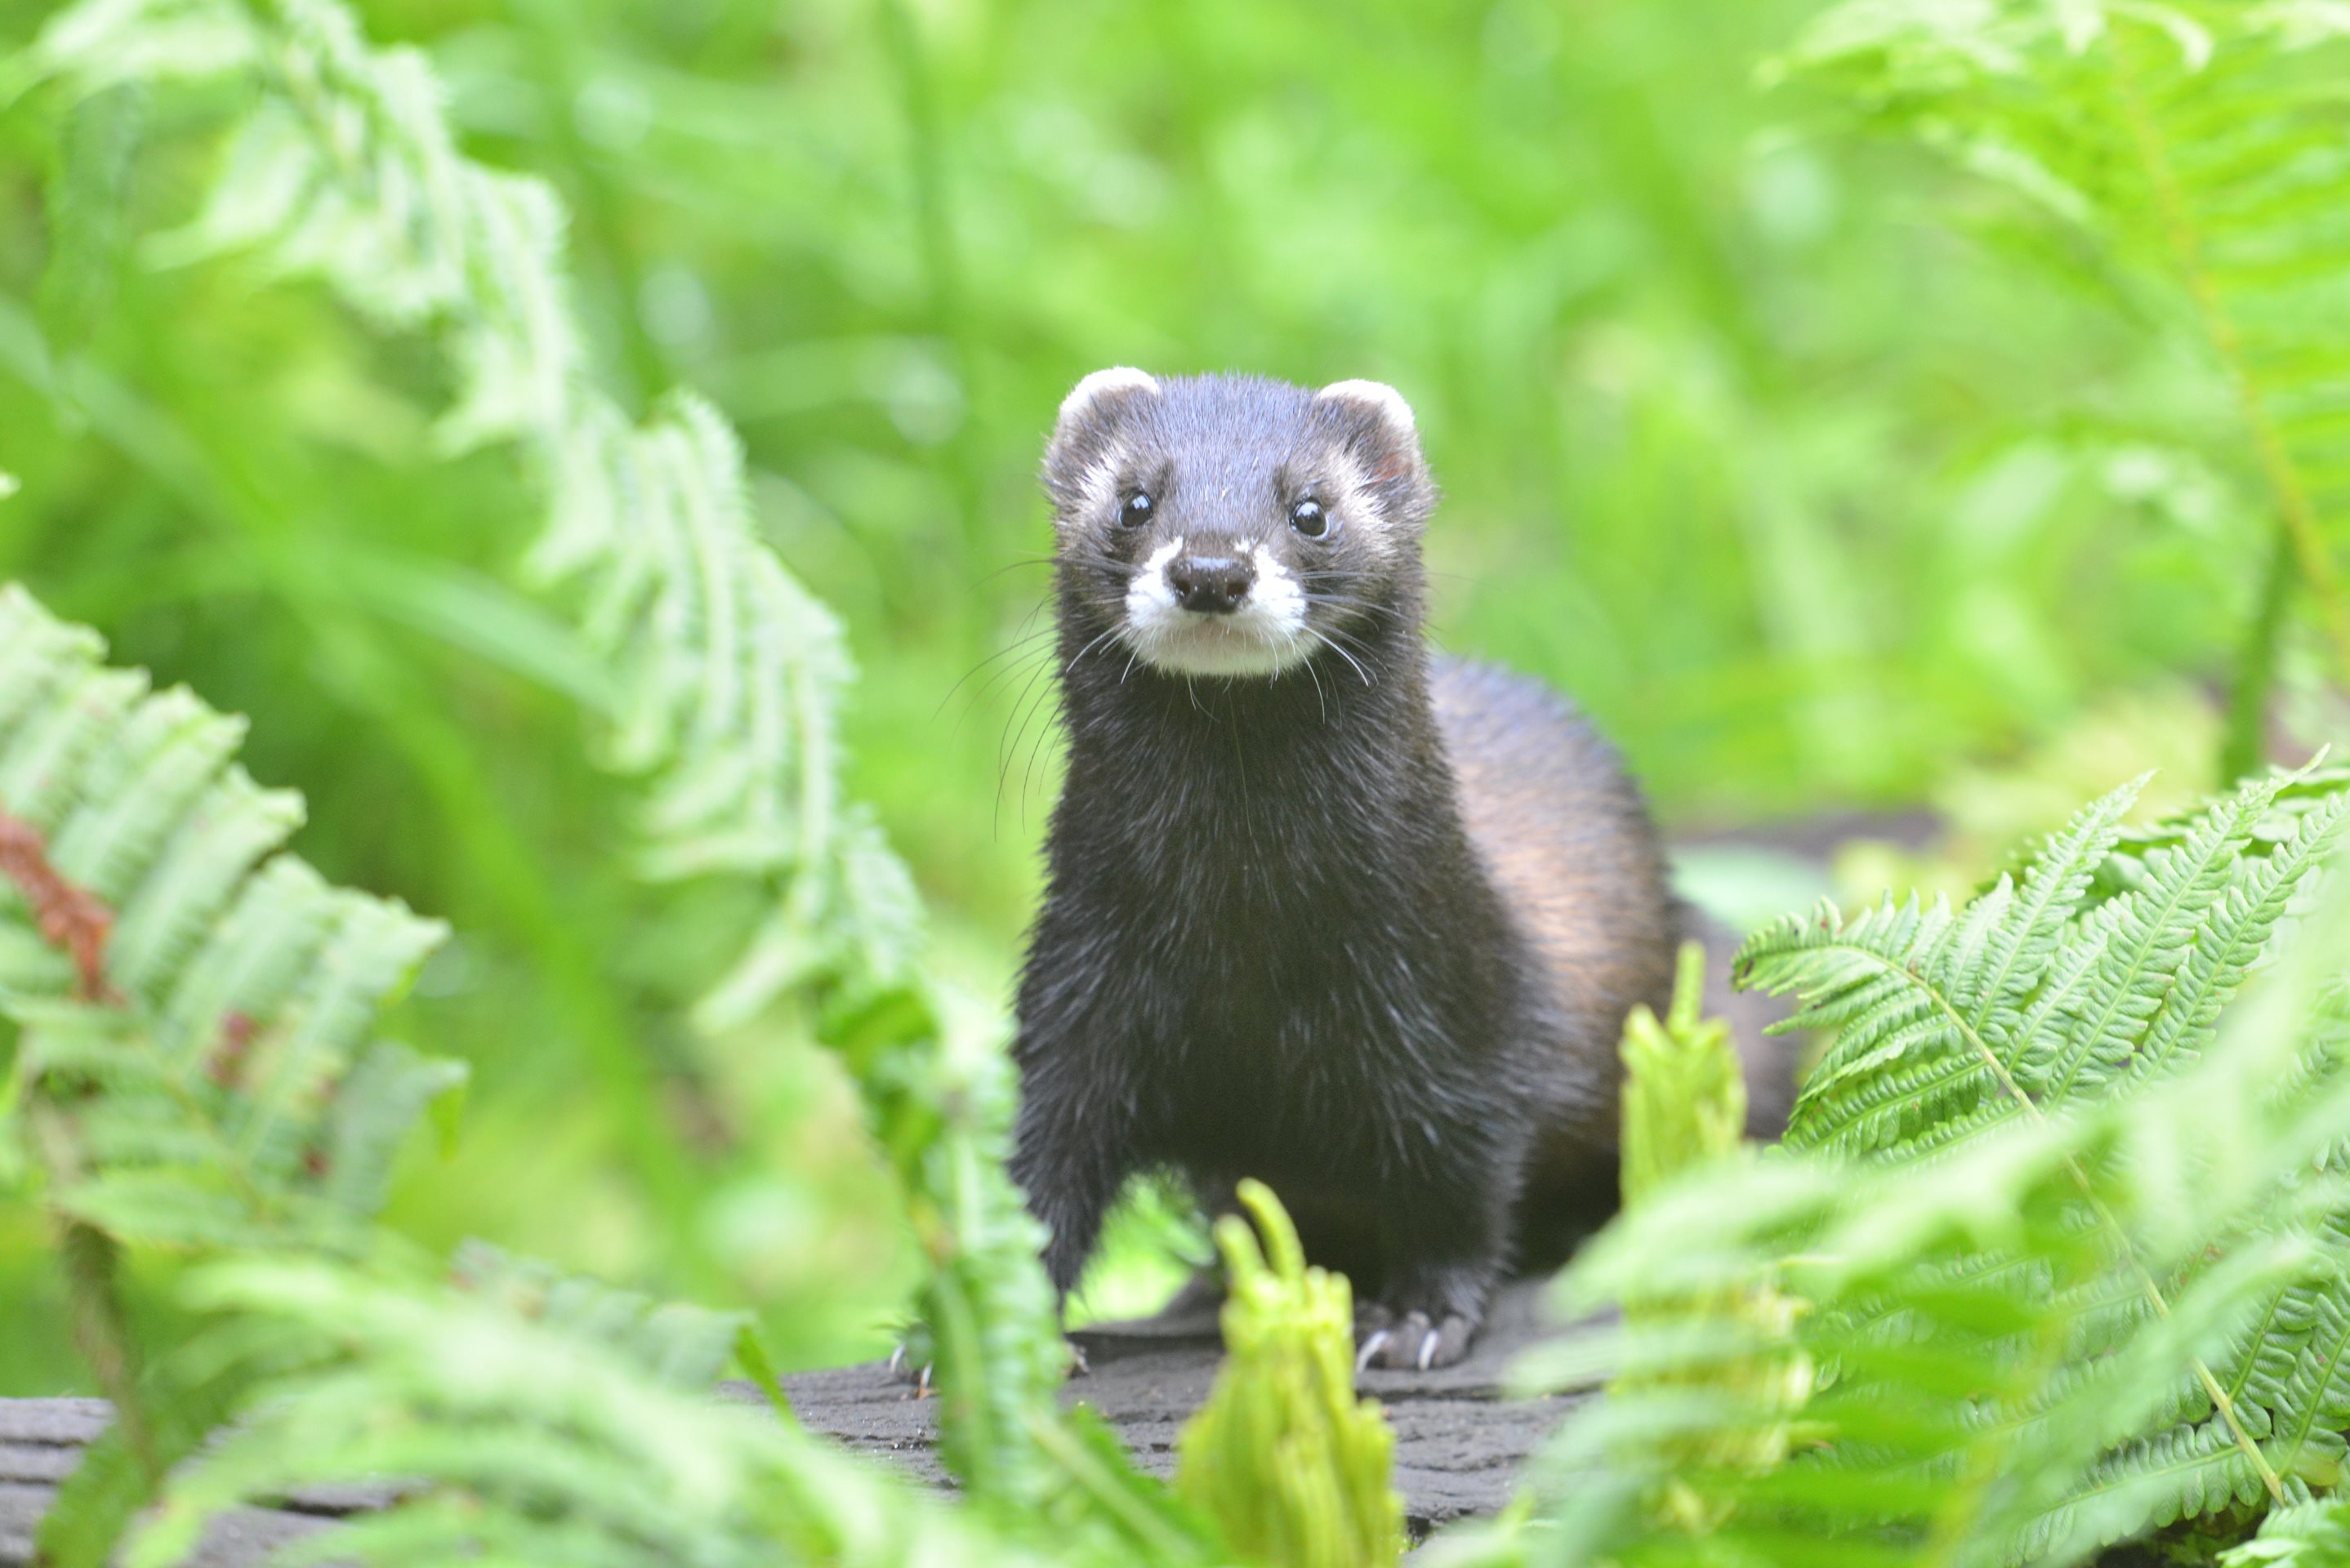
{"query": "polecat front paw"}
pixel 1424 1319
pixel 911 1363
pixel 1412 1341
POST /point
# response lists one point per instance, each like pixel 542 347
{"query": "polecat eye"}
pixel 1309 519
pixel 1137 510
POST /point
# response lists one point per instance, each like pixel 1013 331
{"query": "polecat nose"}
pixel 1215 585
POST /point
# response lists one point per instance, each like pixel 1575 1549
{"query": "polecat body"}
pixel 1320 909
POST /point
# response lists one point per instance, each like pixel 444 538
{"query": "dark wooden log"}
pixel 1458 1445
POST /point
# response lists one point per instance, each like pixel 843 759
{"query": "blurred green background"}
pixel 1826 479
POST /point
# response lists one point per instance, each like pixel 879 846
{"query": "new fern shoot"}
pixel 1684 1091
pixel 1283 1457
pixel 2066 1254
pixel 1684 1114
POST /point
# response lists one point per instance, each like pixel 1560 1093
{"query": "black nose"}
pixel 1215 585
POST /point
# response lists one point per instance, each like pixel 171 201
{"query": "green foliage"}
pixel 1946 1025
pixel 197 1064
pixel 193 1072
pixel 1283 1457
pixel 531 1420
pixel 1684 1093
pixel 1684 1111
pixel 2069 1260
pixel 2198 140
pixel 2313 1535
pixel 726 673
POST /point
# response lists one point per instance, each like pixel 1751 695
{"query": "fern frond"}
pixel 2141 941
pixel 345 170
pixel 2313 1535
pixel 2084 1305
pixel 197 1011
pixel 2200 140
pixel 1903 1051
pixel 2051 991
pixel 2003 1381
pixel 2235 932
pixel 1283 1455
pixel 528 1418
pixel 2055 883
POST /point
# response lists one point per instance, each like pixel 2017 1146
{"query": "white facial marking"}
pixel 1096 486
pixel 1264 636
pixel 1150 597
pixel 1117 379
pixel 1277 595
pixel 1097 490
pixel 1378 394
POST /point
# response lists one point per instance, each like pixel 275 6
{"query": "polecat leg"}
pixel 1426 1319
pixel 1070 1169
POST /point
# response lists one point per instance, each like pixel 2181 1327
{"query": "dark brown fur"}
pixel 1568 845
pixel 1366 928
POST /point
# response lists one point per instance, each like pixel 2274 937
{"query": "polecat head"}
pixel 1228 525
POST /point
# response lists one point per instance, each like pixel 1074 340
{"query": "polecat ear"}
pixel 1089 414
pixel 1104 387
pixel 1375 421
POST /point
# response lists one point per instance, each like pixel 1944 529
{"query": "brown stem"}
pixel 102 1334
pixel 74 918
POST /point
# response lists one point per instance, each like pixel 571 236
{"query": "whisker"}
pixel 1112 631
pixel 1021 565
pixel 1357 644
pixel 1044 737
pixel 1036 652
pixel 1341 652
pixel 1343 601
pixel 1025 711
pixel 1016 645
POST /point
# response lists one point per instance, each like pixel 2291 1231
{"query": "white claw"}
pixel 922 1384
pixel 897 1360
pixel 1427 1350
pixel 1370 1348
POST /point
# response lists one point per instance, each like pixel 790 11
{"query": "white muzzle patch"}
pixel 1264 635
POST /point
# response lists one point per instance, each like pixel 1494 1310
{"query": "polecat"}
pixel 1321 910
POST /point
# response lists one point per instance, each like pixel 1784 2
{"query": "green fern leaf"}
pixel 726 673
pixel 2142 939
pixel 530 1418
pixel 222 1005
pixel 1946 1025
pixel 2313 1535
pixel 2200 145
pixel 2046 1318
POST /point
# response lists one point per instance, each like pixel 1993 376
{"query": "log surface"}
pixel 1458 1446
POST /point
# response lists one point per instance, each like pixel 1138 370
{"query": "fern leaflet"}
pixel 2201 140
pixel 2070 1259
pixel 198 1064
pixel 344 169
